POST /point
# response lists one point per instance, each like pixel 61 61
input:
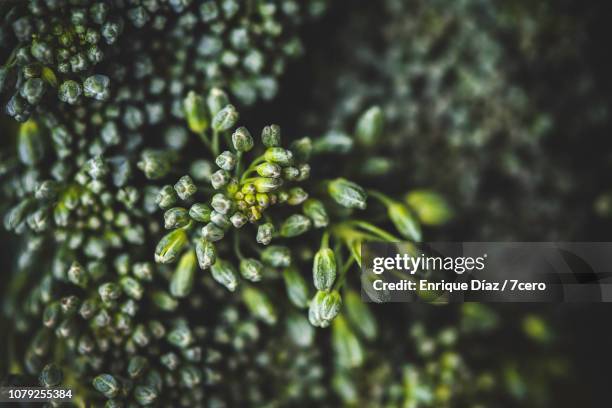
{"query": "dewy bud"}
pixel 360 316
pixel 264 233
pixel 107 385
pixel 222 204
pixel 347 194
pixel 206 253
pixel 271 136
pixel 195 112
pixel 296 224
pixel 182 279
pixel 267 169
pixel 324 269
pixel 166 197
pixel 242 140
pixel 297 196
pixel 226 160
pixel 279 155
pixel 225 119
pixel 219 179
pixel 297 288
pixel 333 142
pixel 251 269
pixel 217 99
pixel 404 221
pixel 131 287
pixel 315 210
pixel 176 217
pixel 267 184
pixel 30 144
pixel 212 232
pixel 69 92
pixel 170 246
pixel 224 273
pixel 200 212
pixel 370 126
pixel 238 219
pixel 97 87
pixel 276 256
pixel 324 307
pixel 154 163
pixel 185 187
pixel 259 305
pixel 300 331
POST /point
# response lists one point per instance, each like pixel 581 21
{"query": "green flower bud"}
pixel 109 291
pixel 219 179
pixel 291 173
pixel 30 144
pixel 370 126
pixel 212 232
pixel 225 119
pixel 201 170
pixel 267 184
pixel 164 301
pixel 251 269
pixel 324 307
pixel 216 100
pixel 316 211
pixel 360 316
pixel 238 219
pixel 51 376
pixel 377 166
pixel 271 136
pixel 430 207
pixel 223 272
pixel 176 217
pixel 222 204
pixel 96 168
pixel 302 149
pixel 259 305
pixel 170 246
pixel 206 253
pixel 226 160
pixel 264 233
pixel 181 336
pixel 145 395
pixel 324 269
pixel 297 196
pixel 348 349
pixel 295 225
pixel 190 376
pixel 404 221
pixel 182 279
pixel 77 275
pixel 166 197
pixel 276 256
pixel 107 385
pixel 185 187
pixel 279 156
pixel 268 170
pixel 242 140
pixel 51 314
pixel 97 87
pixel 69 92
pixel 132 287
pixel 347 194
pixel 220 220
pixel 154 163
pixel 333 142
pixel 136 366
pixel 200 212
pixel 33 90
pixel 263 200
pixel 195 112
pixel 300 330
pixel 297 289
